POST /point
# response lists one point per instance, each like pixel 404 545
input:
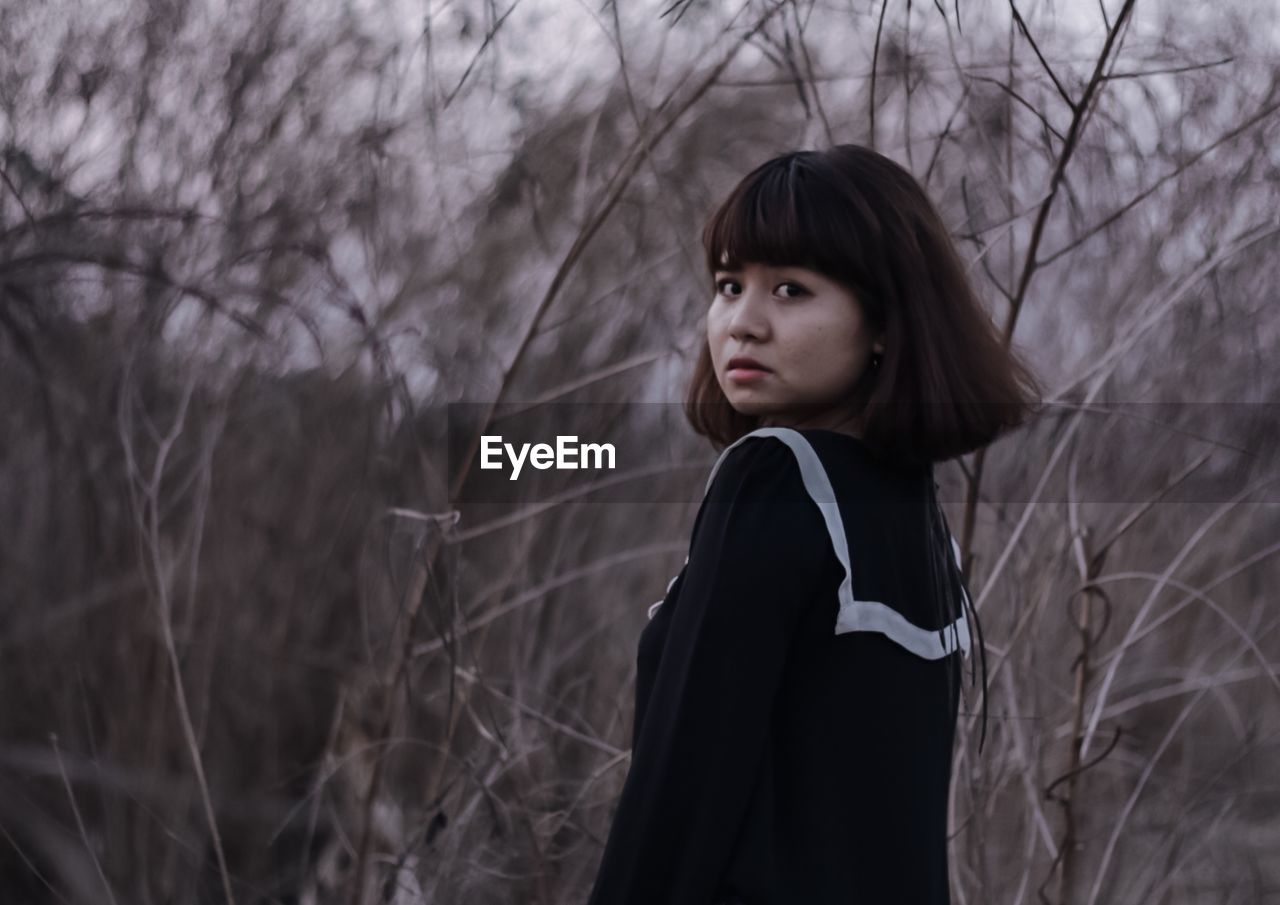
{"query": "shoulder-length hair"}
pixel 947 382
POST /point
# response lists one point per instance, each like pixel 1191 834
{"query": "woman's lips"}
pixel 743 375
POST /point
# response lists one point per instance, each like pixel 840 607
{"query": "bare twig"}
pixel 75 810
pixel 148 512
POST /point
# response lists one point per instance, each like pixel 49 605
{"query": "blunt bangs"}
pixel 788 213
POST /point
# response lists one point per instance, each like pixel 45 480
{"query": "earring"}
pixel 875 360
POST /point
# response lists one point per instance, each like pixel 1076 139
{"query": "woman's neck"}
pixel 840 424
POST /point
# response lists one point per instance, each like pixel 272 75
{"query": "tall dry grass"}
pixel 250 650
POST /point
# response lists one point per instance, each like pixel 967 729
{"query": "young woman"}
pixel 797 688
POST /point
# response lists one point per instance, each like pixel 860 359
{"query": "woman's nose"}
pixel 750 317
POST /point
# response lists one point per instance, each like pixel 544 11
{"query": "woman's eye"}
pixel 799 290
pixel 721 284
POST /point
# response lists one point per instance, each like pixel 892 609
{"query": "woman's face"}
pixel 805 330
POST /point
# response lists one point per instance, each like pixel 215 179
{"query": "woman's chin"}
pixel 748 404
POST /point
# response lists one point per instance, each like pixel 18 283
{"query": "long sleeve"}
pixel 757 555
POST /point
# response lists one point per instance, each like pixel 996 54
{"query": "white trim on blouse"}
pixel 854 615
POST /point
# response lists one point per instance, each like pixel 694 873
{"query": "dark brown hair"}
pixel 946 384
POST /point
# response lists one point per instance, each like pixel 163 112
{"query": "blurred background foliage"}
pixel 251 651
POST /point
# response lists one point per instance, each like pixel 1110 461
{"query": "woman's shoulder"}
pixel 830 465
pixel 761 464
pixel 765 483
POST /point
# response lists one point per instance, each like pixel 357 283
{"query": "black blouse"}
pixel 795 692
